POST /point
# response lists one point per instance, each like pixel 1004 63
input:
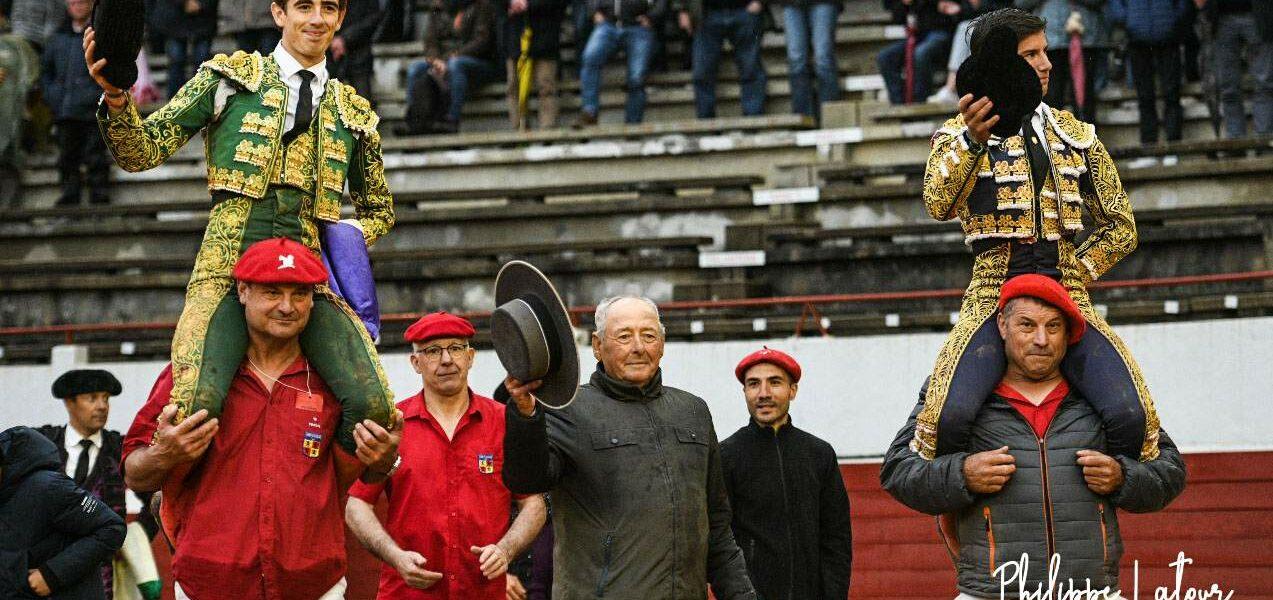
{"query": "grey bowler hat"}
pixel 531 331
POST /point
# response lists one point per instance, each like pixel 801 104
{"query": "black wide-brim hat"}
pixel 999 73
pixel 85 381
pixel 531 331
pixel 118 26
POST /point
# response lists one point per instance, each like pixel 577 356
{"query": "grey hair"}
pixel 603 311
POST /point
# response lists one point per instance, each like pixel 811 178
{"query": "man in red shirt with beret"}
pixel 251 500
pixel 448 535
pixel 791 510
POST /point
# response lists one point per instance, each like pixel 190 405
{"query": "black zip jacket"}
pixel 1045 508
pixel 639 506
pixel 49 524
pixel 791 512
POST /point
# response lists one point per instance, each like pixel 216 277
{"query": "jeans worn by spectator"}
pixel 1233 33
pixel 184 57
pixel 743 30
pixel 638 43
pixel 930 47
pixel 80 144
pixel 806 26
pixel 1159 63
pixel 466 74
pixel 582 19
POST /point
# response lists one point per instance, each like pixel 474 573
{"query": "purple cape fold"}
pixel 345 256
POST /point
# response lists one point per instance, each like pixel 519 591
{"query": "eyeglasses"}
pixel 434 353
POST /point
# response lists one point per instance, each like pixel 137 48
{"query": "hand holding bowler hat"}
pixel 531 331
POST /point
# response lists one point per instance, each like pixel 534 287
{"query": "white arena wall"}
pixel 1211 381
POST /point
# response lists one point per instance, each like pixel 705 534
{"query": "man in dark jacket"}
pixel 90 454
pixel 540 20
pixel 1153 52
pixel 639 505
pixel 791 511
pixel 1034 484
pixel 931 24
pixel 626 24
pixel 73 95
pixel 350 52
pixel 460 52
pixel 54 536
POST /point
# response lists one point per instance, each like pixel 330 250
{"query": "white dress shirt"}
pixel 73 449
pixel 288 67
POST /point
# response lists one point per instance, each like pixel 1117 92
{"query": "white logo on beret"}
pixel 286 261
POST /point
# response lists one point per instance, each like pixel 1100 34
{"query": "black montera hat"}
pixel 997 72
pixel 118 27
pixel 531 331
pixel 85 381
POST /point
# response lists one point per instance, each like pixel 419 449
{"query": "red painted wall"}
pixel 1223 521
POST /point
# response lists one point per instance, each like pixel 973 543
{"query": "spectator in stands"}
pixel 460 56
pixel 56 535
pixel 930 25
pixel 1153 51
pixel 1243 25
pixel 790 508
pixel 36 20
pixel 89 453
pixel 1071 22
pixel 257 514
pixel 540 20
pixel 959 50
pixel 711 22
pixel 351 55
pixel 448 529
pixel 188 27
pixel 73 96
pixel 810 25
pixel 19 70
pixel 1038 449
pixel 627 24
pixel 629 456
pixel 251 24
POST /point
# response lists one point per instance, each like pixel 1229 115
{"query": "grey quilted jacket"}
pixel 1045 508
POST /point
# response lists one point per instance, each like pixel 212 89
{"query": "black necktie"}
pixel 304 107
pixel 1038 155
pixel 81 467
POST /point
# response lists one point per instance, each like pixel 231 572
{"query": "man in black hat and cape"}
pixel 1018 175
pixel 90 453
pixel 639 502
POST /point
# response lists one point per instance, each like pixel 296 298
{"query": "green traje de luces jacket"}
pixel 243 141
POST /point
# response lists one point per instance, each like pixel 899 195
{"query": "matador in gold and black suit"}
pixel 1020 201
pixel 268 177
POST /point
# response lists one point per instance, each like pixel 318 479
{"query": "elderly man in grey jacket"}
pixel 1034 485
pixel 639 503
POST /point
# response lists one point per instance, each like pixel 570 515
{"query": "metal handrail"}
pixel 70 330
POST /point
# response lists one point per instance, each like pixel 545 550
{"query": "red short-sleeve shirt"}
pixel 447 496
pixel 260 514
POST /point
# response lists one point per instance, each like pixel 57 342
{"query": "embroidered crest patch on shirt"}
pixel 486 464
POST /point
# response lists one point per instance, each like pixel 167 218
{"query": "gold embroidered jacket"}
pixel 243 142
pixel 993 194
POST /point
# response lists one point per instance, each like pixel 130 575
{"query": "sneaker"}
pixel 584 120
pixel 1170 160
pixel 1143 162
pixel 944 96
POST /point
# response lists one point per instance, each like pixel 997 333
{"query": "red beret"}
pixel 280 260
pixel 1050 292
pixel 439 325
pixel 778 358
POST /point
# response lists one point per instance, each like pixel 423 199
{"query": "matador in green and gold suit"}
pixel 264 187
